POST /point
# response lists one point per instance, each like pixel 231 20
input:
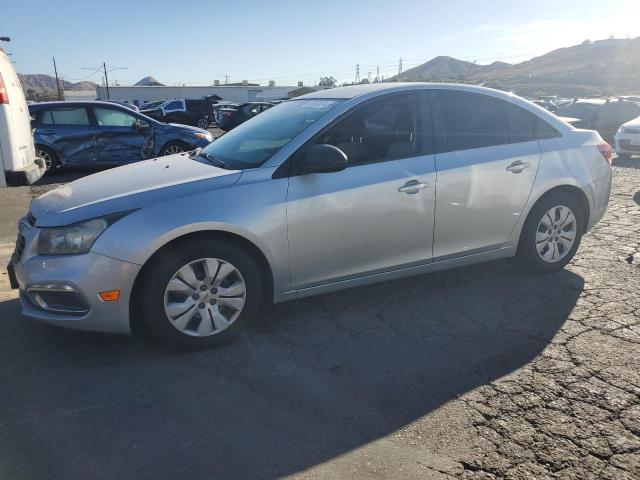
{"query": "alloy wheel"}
pixel 556 233
pixel 203 123
pixel 173 149
pixel 205 297
pixel 46 157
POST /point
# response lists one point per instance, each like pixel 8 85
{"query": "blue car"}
pixel 103 134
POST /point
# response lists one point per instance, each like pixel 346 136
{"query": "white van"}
pixel 18 163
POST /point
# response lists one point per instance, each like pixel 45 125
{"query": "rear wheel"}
pixel 552 233
pixel 201 294
pixel 50 159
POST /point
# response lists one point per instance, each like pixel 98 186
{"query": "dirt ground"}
pixel 479 372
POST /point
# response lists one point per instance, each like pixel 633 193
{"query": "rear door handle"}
pixel 413 186
pixel 517 166
pixel 48 132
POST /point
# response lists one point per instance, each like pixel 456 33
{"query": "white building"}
pixel 239 94
pixel 79 95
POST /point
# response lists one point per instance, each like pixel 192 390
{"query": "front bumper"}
pixel 87 274
pixel 27 176
pixel 627 143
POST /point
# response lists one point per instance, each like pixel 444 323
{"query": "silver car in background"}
pixel 331 190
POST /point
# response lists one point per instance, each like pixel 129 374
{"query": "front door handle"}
pixel 517 166
pixel 413 186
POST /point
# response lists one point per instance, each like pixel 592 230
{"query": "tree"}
pixel 587 42
pixel 31 94
pixel 327 82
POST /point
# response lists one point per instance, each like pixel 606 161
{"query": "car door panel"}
pixel 486 161
pixel 119 141
pixel 357 221
pixel 479 200
pixel 71 132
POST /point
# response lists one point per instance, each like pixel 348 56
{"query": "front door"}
pixel 487 159
pixel 121 136
pixel 375 216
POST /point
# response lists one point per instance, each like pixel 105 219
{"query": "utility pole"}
pixel 357 73
pixel 377 74
pixel 400 66
pixel 226 79
pixel 106 79
pixel 55 69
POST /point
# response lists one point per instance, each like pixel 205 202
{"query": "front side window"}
pixel 109 117
pixel 65 116
pixel 472 120
pixel 381 130
pixel 255 141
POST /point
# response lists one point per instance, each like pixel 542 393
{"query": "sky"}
pixel 195 42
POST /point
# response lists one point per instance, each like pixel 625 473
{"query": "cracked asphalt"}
pixel 479 372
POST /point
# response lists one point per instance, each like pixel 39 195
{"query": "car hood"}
pixel 635 123
pixel 129 187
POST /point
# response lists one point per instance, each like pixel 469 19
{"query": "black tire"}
pixel 527 253
pixel 151 293
pixel 173 147
pixel 50 158
pixel 203 123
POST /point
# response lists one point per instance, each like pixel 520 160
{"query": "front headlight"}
pixel 76 238
pixel 204 136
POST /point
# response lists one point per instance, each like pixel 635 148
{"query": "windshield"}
pixel 254 142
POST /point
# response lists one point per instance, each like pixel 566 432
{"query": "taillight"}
pixel 4 96
pixel 605 149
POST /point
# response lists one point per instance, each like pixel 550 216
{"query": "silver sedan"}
pixel 335 189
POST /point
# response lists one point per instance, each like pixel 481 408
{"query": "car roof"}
pixel 59 103
pixel 353 91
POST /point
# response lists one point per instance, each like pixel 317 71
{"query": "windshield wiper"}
pixel 210 158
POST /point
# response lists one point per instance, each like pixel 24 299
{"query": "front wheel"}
pixel 200 294
pixel 552 233
pixel 173 148
pixel 203 123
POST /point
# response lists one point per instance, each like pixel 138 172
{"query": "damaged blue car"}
pixel 105 134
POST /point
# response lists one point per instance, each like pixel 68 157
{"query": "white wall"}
pixel 234 94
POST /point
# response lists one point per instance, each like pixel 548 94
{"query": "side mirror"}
pixel 322 158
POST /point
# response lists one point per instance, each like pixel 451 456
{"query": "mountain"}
pixel 46 83
pixel 148 82
pixel 603 67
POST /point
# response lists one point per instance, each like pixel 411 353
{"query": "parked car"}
pixel 101 133
pixel 189 112
pixel 217 114
pixel 19 164
pixel 627 139
pixel 605 116
pixel 330 190
pixel 231 117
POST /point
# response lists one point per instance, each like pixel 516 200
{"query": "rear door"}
pixel 70 131
pixel 487 155
pixel 376 215
pixel 174 111
pixel 121 136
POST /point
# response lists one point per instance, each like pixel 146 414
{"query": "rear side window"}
pixel 471 120
pixel 175 105
pixel 65 116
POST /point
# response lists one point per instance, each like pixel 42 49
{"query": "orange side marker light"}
pixel 109 295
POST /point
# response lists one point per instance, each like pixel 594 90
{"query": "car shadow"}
pixel 632 162
pixel 314 379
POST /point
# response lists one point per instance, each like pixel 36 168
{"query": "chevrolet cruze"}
pixel 338 188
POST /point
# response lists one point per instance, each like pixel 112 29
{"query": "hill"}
pixel 603 67
pixel 148 81
pixel 46 83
